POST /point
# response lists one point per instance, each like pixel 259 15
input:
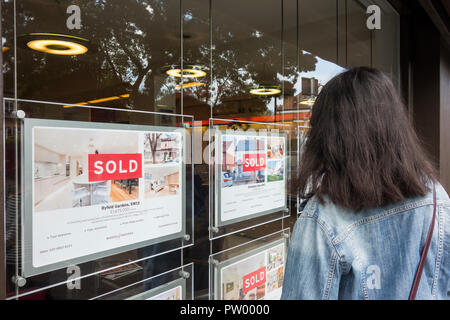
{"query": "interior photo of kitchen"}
pixel 124 190
pixel 61 167
pixel 161 181
pixel 275 147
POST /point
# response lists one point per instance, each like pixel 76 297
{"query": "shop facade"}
pixel 150 147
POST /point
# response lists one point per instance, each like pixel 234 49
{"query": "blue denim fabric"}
pixel 337 254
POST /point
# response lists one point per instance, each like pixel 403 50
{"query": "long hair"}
pixel 362 152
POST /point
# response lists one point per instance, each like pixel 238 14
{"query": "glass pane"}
pixel 358 37
pixel 386 43
pixel 119 54
pixel 249 175
pixel 246 59
pixel 254 63
pixel 252 271
pixel 64 207
pixel 112 280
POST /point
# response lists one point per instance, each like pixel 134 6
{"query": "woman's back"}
pixel 337 254
pixel 369 185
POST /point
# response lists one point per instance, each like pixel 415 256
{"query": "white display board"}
pixel 251 176
pixel 255 275
pixel 99 189
pixel 175 290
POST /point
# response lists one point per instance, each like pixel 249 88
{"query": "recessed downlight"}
pixel 56 44
pixel 58 47
pixel 265 90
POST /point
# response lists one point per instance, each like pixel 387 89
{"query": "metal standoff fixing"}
pixel 214 262
pixel 185 274
pixel 19 281
pixel 19 114
pixel 285 235
pixel 187 237
pixel 214 229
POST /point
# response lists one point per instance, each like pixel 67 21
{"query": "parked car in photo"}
pixel 227 180
pixel 260 177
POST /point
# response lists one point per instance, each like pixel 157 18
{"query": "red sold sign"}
pixel 254 162
pixel 254 279
pixel 115 166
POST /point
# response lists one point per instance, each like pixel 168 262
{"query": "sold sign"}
pixel 254 280
pixel 115 166
pixel 254 162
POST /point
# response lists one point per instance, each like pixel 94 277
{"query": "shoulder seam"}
pixel 327 233
pixel 335 256
pixel 387 213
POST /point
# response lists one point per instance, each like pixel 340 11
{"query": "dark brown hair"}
pixel 362 151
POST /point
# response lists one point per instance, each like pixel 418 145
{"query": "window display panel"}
pixel 113 278
pixel 250 173
pixel 253 273
pixel 253 171
pixel 119 186
pixel 175 284
pixel 123 183
pixel 171 291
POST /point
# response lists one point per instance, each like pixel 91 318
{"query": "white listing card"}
pixel 95 190
pixel 252 176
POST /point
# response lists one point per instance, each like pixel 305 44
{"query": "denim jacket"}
pixel 337 254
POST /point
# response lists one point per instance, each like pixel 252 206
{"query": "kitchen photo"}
pixel 60 167
pixel 161 181
pixel 275 147
pixel 232 161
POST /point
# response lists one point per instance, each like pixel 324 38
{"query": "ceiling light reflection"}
pixel 265 90
pixel 189 71
pixel 190 85
pixel 308 102
pixel 122 96
pixel 58 47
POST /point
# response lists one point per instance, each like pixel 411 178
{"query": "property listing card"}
pixel 252 176
pixel 95 190
pixel 258 276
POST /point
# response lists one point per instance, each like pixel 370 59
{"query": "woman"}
pixel 369 187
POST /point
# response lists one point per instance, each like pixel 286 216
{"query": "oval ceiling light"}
pixel 190 85
pixel 308 102
pixel 265 90
pixel 189 71
pixel 57 44
pixel 60 47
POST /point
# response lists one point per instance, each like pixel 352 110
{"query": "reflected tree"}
pixel 131 40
